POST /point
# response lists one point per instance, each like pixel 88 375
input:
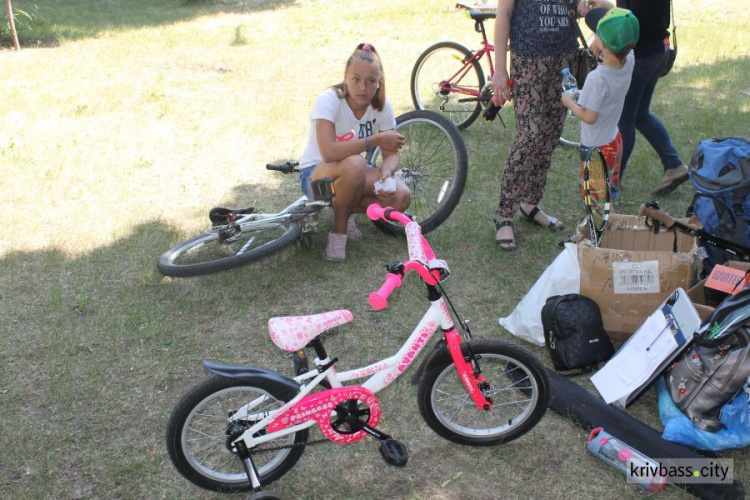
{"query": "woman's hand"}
pixel 501 87
pixel 593 4
pixel 584 7
pixel 388 140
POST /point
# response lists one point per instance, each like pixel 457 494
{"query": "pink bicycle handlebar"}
pixel 379 300
pixel 420 254
pixel 375 212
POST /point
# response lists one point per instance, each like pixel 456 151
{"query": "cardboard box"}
pixel 706 299
pixel 634 270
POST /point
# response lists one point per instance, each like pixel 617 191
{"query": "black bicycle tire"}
pixel 461 170
pixel 191 401
pixel 520 356
pixel 167 267
pixel 418 66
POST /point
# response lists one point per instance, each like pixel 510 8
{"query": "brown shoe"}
pixel 673 177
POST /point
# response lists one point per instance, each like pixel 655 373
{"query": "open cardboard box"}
pixel 633 270
pixel 705 299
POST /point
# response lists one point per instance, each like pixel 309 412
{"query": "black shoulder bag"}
pixel 672 55
pixel 585 59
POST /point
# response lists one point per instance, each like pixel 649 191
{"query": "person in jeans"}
pixel 543 41
pixel 650 55
pixel 347 121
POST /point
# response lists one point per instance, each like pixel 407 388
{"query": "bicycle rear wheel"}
pixel 441 78
pixel 433 163
pixel 203 424
pixel 227 247
pixel 519 388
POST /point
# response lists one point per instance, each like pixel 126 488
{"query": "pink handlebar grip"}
pixel 376 212
pixel 379 300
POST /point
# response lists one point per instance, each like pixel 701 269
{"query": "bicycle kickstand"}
pixel 393 452
pixel 253 477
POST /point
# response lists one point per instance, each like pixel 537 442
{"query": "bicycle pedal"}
pixel 394 452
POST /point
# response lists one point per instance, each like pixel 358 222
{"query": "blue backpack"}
pixel 720 172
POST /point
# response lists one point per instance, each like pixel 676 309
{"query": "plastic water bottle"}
pixel 569 85
pixel 634 464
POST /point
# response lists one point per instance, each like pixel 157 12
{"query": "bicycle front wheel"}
pixel 519 389
pixel 442 76
pixel 433 163
pixel 227 247
pixel 204 423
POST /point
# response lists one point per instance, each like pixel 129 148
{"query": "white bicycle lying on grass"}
pixel 433 163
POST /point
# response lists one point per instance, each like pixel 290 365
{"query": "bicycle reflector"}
pixel 322 189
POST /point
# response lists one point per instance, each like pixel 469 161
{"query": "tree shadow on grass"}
pixel 50 21
pixel 99 340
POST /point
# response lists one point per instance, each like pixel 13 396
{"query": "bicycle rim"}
pixel 203 439
pixel 571 133
pixel 221 250
pixel 433 163
pixel 519 400
pixel 439 82
pixel 596 194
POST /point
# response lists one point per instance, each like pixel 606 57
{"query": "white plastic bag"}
pixel 563 276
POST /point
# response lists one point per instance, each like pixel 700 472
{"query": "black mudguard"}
pixel 252 375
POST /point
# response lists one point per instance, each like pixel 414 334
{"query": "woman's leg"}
pixel 636 114
pixel 539 121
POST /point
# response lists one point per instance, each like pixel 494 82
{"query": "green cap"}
pixel 618 29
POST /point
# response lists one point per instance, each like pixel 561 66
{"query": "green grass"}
pixel 124 122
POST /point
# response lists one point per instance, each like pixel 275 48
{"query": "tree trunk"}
pixel 12 24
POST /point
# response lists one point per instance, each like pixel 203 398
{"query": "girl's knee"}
pixel 402 199
pixel 354 166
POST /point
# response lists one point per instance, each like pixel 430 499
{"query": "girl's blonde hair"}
pixel 364 52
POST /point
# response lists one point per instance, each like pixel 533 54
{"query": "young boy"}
pixel 600 102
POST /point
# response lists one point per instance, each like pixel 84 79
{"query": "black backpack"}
pixel 574 332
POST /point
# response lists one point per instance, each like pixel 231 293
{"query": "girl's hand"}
pixel 389 140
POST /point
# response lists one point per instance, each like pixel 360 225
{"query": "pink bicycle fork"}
pixel 473 382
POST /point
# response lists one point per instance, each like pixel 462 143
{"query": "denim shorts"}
pixel 305 176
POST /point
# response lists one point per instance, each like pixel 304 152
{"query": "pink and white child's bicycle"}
pixel 244 427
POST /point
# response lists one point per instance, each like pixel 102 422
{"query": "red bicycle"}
pixel 448 78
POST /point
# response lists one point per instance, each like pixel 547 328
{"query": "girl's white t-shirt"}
pixel 329 107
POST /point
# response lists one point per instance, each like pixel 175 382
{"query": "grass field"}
pixel 123 122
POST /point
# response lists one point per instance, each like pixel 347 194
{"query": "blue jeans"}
pixel 636 114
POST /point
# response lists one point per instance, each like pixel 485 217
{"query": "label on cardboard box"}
pixel 726 279
pixel 636 277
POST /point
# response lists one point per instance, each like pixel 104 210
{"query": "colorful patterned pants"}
pixel 540 117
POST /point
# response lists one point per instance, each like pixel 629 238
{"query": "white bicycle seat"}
pixel 292 333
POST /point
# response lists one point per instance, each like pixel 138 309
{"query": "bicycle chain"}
pixel 287 446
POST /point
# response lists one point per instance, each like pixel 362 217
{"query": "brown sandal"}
pixel 505 243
